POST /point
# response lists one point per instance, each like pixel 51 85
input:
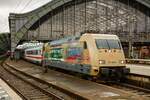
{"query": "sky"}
pixel 16 6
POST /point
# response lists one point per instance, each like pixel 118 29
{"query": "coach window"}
pixel 33 52
pixel 36 52
pixel 39 51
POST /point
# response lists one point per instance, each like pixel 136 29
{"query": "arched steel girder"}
pixel 145 2
pixel 34 16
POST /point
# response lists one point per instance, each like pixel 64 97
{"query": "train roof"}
pixel 28 45
pixel 77 37
pixel 34 48
pixel 64 40
pixel 102 36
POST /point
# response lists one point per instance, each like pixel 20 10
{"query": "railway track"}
pixel 127 86
pixel 30 88
pixel 130 88
pixel 122 86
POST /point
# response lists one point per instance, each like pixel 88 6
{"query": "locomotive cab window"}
pixel 114 44
pixel 102 44
pixel 107 44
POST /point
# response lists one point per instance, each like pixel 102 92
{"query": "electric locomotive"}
pixel 96 55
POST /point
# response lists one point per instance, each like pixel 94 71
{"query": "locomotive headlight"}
pixel 122 61
pixel 101 61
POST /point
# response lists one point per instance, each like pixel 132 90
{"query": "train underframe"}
pixel 106 73
pixel 113 74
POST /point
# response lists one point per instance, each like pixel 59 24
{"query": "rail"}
pixel 138 61
pixel 131 88
pixel 141 81
pixel 63 94
pixel 21 86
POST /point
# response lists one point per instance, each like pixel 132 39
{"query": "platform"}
pixel 139 69
pixel 6 93
pixel 88 89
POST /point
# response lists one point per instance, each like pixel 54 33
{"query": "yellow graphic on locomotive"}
pixel 91 54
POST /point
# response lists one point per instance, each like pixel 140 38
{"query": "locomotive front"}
pixel 107 56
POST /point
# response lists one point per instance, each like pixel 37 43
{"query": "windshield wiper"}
pixel 108 44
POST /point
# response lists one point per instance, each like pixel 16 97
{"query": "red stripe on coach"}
pixel 41 57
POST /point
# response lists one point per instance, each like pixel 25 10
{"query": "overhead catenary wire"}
pixel 18 5
pixel 26 6
pixel 35 3
pixel 15 9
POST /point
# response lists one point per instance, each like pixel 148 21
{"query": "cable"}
pixel 44 2
pixel 17 6
pixel 35 3
pixel 4 24
pixel 25 6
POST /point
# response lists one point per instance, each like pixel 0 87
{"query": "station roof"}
pixel 58 3
pixel 144 2
pixel 33 16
